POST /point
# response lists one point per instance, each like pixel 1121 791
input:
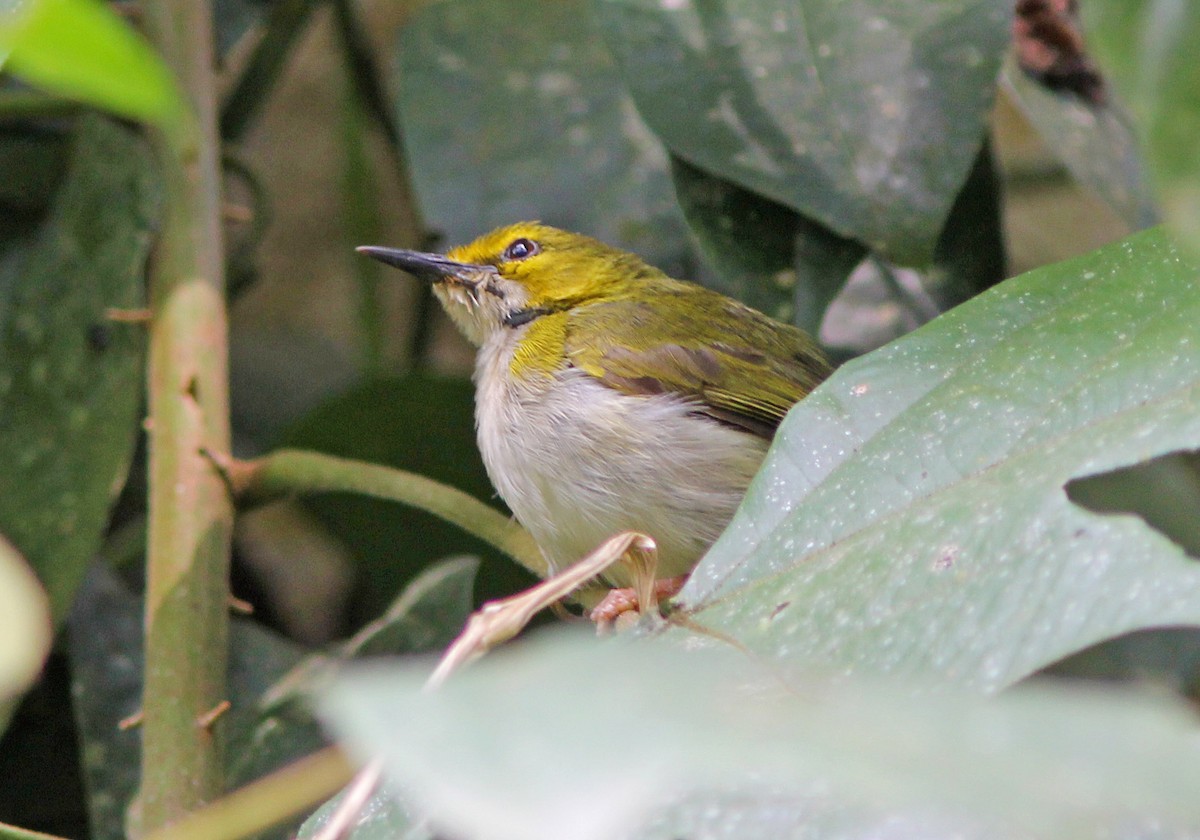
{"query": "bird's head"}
pixel 513 275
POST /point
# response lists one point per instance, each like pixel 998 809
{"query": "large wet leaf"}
pixel 912 516
pixel 522 746
pixel 71 378
pixel 865 116
pixel 514 110
pixel 1149 49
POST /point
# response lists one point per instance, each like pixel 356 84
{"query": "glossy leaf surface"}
pixel 911 517
pixel 864 116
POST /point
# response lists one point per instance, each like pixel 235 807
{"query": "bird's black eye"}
pixel 520 249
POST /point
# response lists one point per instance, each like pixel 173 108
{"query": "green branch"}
pixel 290 472
pixel 190 513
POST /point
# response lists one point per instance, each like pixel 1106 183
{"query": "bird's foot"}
pixel 622 602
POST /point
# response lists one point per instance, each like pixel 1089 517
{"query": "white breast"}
pixel 577 462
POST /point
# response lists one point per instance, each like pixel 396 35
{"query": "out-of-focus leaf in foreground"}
pixel 864 116
pixel 70 376
pixel 81 49
pixel 572 739
pixel 912 518
pixel 25 641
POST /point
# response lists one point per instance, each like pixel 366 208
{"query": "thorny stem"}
pixel 190 514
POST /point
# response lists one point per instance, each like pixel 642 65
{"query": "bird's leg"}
pixel 621 601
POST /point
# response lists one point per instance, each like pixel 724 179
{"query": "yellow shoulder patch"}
pixel 541 348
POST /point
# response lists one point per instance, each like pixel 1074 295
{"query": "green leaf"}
pixel 1149 49
pixel 382 818
pixel 427 616
pixel 270 681
pixel 520 745
pixel 969 257
pixel 71 379
pixel 429 425
pixel 515 111
pixel 82 49
pixel 765 254
pixel 25 642
pixel 911 516
pixel 865 118
pixel 105 646
pixel 1094 142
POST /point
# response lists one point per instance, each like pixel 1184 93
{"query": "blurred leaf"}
pixel 270 678
pixel 427 616
pixel 532 762
pixel 234 18
pixel 747 813
pixel 25 642
pixel 969 257
pixel 1094 142
pixel 765 254
pixel 284 24
pixel 420 423
pixel 514 110
pixel 1166 658
pixel 382 818
pixel 911 516
pixel 70 379
pixel 105 645
pixel 33 160
pixel 1149 49
pixel 863 116
pixel 82 49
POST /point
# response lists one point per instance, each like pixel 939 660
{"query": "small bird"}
pixel 609 396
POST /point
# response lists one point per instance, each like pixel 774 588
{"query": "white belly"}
pixel 579 462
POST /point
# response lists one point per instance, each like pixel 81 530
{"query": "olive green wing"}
pixel 738 366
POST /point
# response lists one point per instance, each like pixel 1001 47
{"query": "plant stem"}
pixel 290 471
pixel 266 801
pixel 189 507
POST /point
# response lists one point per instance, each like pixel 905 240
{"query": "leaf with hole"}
pixel 911 517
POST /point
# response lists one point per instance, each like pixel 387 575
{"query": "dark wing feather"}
pixel 748 380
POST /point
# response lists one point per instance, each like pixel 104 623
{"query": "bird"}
pixel 610 396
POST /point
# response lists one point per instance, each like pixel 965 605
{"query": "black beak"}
pixel 431 267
